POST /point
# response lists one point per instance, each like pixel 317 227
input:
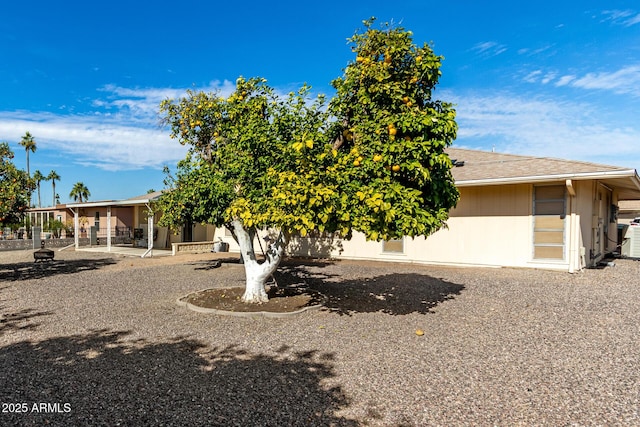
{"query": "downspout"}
pixel 571 238
pixel 108 228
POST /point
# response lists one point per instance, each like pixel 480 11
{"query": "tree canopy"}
pixel 251 158
pixel 79 192
pixel 390 127
pixel 53 177
pixel 371 160
pixel 30 145
pixel 15 188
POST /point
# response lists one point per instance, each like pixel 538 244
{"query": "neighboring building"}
pixel 629 210
pixel 131 222
pixel 42 217
pixel 514 211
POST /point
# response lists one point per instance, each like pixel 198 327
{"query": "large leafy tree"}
pixel 79 192
pixel 15 188
pixel 372 162
pixel 248 167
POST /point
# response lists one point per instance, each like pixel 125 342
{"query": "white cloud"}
pixel 548 77
pixel 489 49
pixel 565 80
pixel 623 81
pixel 141 104
pixel 626 18
pixel 121 133
pixel 97 140
pixel 634 20
pixel 540 76
pixel 532 77
pixel 544 127
pixel 531 52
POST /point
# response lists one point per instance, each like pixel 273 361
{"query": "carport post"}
pixel 108 228
pixel 149 232
pixel 76 228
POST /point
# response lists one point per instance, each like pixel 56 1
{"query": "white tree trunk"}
pixel 257 273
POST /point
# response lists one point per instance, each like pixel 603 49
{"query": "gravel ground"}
pixel 92 339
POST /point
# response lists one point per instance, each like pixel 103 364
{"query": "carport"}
pixel 133 203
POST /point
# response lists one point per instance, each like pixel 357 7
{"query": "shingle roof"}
pixel 488 168
pixel 149 196
pixel 483 165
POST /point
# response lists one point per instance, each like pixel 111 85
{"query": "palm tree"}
pixel 53 177
pixel 29 144
pixel 79 192
pixel 37 177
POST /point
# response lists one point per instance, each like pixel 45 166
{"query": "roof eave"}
pixel 110 203
pixel 623 173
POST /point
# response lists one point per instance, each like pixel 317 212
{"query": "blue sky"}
pixel 558 79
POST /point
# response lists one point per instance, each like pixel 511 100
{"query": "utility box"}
pixel 35 233
pixel 93 236
pixel 631 243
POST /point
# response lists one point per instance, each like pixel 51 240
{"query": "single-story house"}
pixel 514 211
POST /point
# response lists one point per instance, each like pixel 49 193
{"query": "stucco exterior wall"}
pixel 491 226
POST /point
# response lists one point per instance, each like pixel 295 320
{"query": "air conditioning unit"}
pixel 631 243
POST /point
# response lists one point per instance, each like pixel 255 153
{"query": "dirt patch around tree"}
pixel 281 300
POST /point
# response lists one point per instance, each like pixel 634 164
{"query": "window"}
pixel 395 246
pixel 96 220
pixel 548 222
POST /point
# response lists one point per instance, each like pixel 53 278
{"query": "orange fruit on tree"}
pixel 377 158
pixel 395 168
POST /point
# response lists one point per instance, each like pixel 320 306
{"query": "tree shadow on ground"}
pixel 38 270
pixel 101 379
pixel 290 261
pixel 214 263
pixel 20 320
pixel 394 293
